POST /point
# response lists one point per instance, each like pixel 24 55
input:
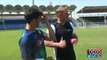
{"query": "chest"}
pixel 39 39
pixel 64 29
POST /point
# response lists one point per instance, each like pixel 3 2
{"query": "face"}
pixel 35 22
pixel 63 15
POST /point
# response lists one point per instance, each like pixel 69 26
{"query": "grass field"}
pixel 88 38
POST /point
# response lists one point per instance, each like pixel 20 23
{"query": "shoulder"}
pixel 39 31
pixel 71 24
pixel 26 37
pixel 55 23
pixel 26 33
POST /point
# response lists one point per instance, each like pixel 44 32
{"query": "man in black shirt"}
pixel 63 28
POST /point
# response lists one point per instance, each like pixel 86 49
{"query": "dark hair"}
pixel 32 13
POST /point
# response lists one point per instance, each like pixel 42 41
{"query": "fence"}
pixel 20 24
pixel 15 24
pixel 92 24
pixel 12 24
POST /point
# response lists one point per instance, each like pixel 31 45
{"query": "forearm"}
pixel 51 32
pixel 60 44
pixel 51 44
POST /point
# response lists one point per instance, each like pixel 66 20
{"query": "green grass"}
pixel 88 38
pixel 91 38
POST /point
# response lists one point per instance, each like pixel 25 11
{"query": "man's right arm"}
pixel 51 35
pixel 60 44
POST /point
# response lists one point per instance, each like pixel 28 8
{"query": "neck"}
pixel 30 27
pixel 60 21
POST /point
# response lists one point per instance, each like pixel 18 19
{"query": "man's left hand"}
pixel 74 41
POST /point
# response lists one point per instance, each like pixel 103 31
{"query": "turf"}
pixel 91 38
pixel 88 38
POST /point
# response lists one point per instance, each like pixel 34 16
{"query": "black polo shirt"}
pixel 65 31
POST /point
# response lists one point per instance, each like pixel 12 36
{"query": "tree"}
pixel 50 8
pixel 1 11
pixel 72 8
pixel 9 8
pixel 42 7
pixel 1 8
pixel 18 8
pixel 65 5
pixel 34 6
pixel 56 7
pixel 25 7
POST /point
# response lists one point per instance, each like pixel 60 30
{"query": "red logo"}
pixel 94 53
pixel 38 43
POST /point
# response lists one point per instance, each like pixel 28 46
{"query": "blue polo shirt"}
pixel 32 44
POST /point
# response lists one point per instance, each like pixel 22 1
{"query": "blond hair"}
pixel 61 8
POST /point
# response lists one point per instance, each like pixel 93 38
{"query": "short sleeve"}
pixel 43 34
pixel 53 27
pixel 72 26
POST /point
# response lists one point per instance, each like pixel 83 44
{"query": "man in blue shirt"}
pixel 32 40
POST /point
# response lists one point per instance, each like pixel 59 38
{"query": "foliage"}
pixel 1 8
pixel 9 8
pixel 42 7
pixel 25 7
pixel 18 8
